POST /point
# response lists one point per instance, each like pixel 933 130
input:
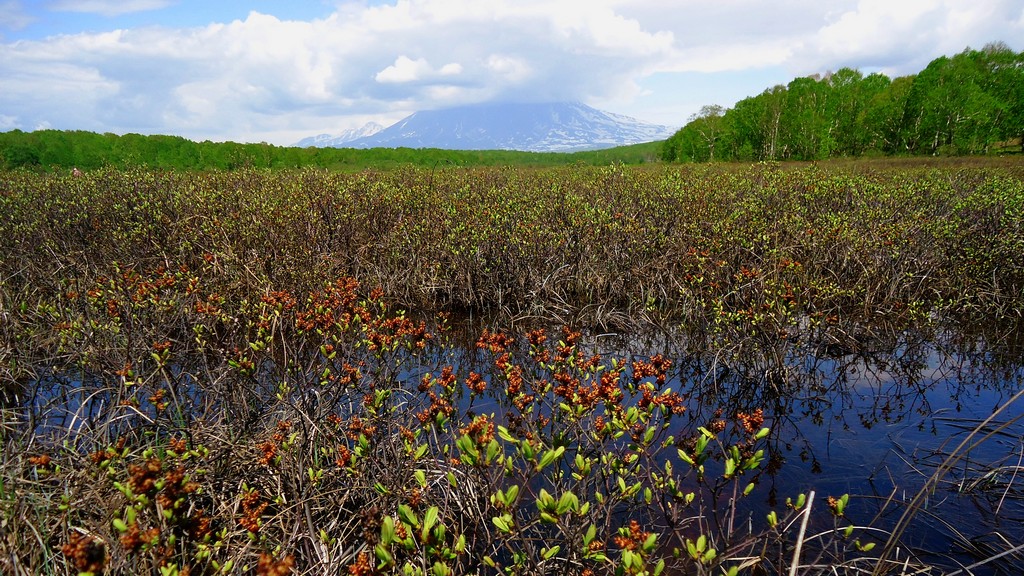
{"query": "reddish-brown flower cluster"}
pixel 481 430
pixel 135 538
pixel 446 380
pixel 537 337
pixel 438 405
pixel 142 479
pixel 337 304
pixel 149 289
pixel 280 300
pixel 567 347
pixel 631 539
pixel 110 452
pixel 175 487
pixel 655 367
pixel 157 400
pixel 268 451
pixel 87 554
pixel 356 426
pixel 514 376
pixel 267 565
pixel 384 333
pixel 565 384
pixel 208 308
pixel 362 566
pixel 476 383
pixel 671 401
pixel 605 389
pixel 350 375
pixel 177 444
pixel 345 457
pixel 252 509
pixel 496 342
pixel 718 424
pixel 126 371
pixel 198 525
pixel 40 461
pixel 751 422
pixel 113 309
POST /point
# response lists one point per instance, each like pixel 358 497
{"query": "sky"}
pixel 279 71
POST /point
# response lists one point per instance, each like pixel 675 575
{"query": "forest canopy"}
pixel 968 104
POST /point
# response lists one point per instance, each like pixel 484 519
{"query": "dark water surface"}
pixel 874 421
pixel 877 424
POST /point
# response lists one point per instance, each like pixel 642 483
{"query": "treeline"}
pixel 60 149
pixel 968 104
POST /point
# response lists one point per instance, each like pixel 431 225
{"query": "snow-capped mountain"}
pixel 339 140
pixel 551 127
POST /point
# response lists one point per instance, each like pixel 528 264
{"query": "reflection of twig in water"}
pixel 1016 469
pixel 960 451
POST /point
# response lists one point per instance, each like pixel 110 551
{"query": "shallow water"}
pixel 875 423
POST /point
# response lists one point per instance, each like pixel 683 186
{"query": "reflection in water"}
pixel 876 422
pixel 872 421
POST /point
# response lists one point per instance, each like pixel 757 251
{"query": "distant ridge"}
pixel 548 127
pixel 337 141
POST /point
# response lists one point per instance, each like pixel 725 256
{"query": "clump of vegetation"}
pixel 184 391
pixel 314 434
pixel 761 249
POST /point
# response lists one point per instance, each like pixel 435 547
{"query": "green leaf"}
pixel 589 536
pixel 730 467
pixel 383 554
pixel 505 435
pixel 407 515
pixel 502 523
pixel 545 501
pixel 387 531
pixel 567 502
pixel 511 494
pixel 429 519
pixel 493 449
pixel 650 542
pixel 550 457
pixel 627 557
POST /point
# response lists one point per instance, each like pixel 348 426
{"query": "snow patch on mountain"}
pixel 547 127
pixel 338 140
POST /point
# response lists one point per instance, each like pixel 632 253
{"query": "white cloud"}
pixel 13 15
pixel 902 37
pixel 264 78
pixel 404 70
pixel 108 7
